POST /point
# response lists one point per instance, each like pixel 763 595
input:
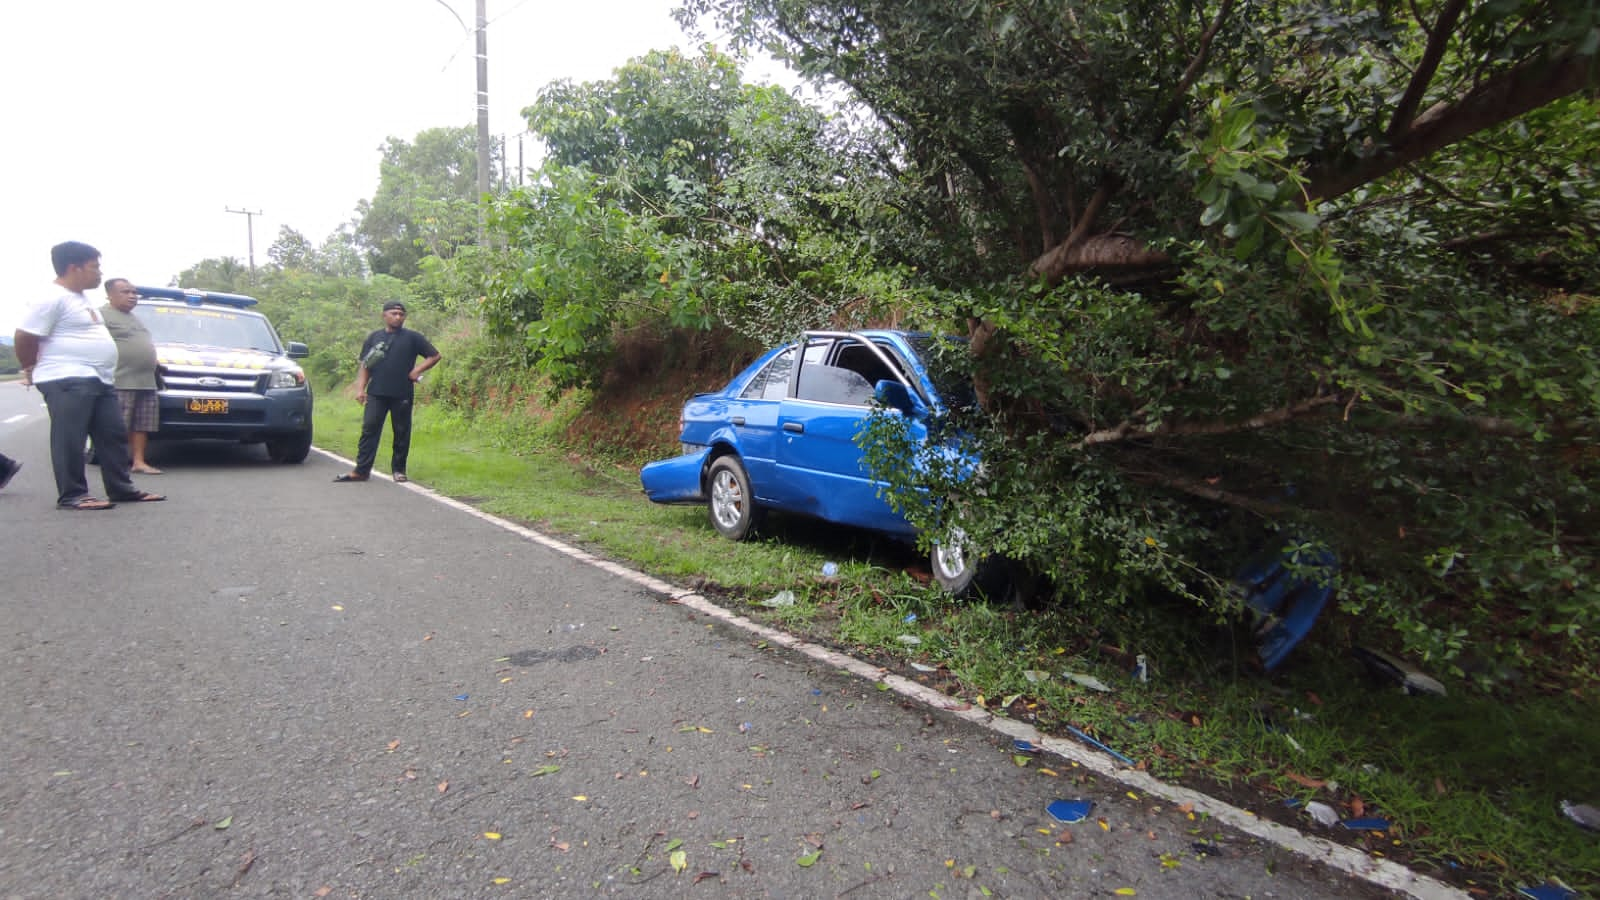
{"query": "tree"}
pixel 676 196
pixel 426 203
pixel 1239 274
pixel 227 274
pixel 292 251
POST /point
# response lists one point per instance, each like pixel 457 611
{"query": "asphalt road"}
pixel 271 685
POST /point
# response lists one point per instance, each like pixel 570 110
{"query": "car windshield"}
pixel 208 328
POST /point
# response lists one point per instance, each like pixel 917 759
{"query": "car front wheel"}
pixel 292 449
pixel 732 505
pixel 959 569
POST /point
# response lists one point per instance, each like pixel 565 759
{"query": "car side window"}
pixel 831 384
pixel 772 382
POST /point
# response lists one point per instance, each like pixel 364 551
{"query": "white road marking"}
pixel 1382 872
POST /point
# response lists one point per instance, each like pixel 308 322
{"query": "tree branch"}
pixel 1502 98
pixel 1196 64
pixel 1054 263
pixel 1201 489
pixel 1126 430
pixel 1438 39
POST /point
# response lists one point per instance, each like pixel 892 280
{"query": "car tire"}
pixel 730 504
pixel 960 571
pixel 292 449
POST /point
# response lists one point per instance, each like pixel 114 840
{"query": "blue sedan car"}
pixel 783 435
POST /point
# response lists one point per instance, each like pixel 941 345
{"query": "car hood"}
pixel 214 357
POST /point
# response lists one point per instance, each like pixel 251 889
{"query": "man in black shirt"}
pixel 385 383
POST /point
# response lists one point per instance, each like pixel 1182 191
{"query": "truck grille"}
pixel 212 381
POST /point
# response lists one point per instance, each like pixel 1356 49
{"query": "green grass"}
pixel 1472 781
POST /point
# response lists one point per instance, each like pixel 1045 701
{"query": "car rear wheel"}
pixel 292 449
pixel 732 505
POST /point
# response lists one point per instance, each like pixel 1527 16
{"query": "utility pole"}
pixel 483 111
pixel 250 231
pixel 483 98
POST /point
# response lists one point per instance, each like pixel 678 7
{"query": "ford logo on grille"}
pixel 209 381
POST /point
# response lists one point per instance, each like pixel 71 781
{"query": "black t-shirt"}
pixel 389 374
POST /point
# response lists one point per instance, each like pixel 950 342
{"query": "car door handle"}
pixel 796 427
pixel 738 420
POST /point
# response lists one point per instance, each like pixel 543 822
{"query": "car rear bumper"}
pixel 676 480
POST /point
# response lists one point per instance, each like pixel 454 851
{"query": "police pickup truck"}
pixel 224 372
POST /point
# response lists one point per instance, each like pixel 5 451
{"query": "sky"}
pixel 134 125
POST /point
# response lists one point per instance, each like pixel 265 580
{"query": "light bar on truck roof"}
pixel 195 297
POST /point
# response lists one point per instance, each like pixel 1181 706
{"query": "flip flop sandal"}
pixel 141 497
pixel 400 478
pixel 349 477
pixel 86 504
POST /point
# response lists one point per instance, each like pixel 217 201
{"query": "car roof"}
pixel 195 297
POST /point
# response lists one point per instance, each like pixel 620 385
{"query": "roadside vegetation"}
pixel 1232 278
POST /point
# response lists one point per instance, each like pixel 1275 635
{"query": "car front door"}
pixel 820 464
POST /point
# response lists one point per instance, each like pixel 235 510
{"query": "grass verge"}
pixel 1470 784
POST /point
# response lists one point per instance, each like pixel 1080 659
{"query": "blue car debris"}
pixel 783 435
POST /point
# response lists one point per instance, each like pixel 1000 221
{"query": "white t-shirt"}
pixel 73 339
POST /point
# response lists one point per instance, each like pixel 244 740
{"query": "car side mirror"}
pixel 895 395
pixel 297 350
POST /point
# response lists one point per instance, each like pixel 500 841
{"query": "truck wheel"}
pixel 292 449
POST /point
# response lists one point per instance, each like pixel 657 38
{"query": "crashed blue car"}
pixel 783 436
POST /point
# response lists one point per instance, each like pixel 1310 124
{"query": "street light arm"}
pixel 459 20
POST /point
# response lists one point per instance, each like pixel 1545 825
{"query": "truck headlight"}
pixel 286 378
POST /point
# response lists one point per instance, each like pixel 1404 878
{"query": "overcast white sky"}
pixel 132 126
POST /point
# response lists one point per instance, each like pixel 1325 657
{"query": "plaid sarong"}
pixel 141 411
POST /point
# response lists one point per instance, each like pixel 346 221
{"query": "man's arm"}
pixel 426 364
pixel 26 345
pixel 27 348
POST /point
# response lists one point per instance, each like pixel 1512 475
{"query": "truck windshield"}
pixel 208 328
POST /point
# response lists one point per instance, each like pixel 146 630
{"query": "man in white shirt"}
pixel 66 352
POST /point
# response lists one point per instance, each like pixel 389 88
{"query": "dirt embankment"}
pixel 634 416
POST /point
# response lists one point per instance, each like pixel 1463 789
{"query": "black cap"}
pixel 394 304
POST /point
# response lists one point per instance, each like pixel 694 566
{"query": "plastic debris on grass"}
pixel 1392 668
pixel 1322 814
pixel 1550 890
pixel 781 598
pixel 1088 681
pixel 1082 736
pixel 1367 823
pixel 1585 815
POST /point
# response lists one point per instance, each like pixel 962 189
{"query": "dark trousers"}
pixel 80 409
pixel 398 411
